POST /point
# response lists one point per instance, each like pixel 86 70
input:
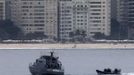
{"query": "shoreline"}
pixel 68 46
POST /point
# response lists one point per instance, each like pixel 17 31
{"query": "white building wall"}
pixel 100 16
pixel 36 16
pixel 80 16
pixel 92 16
pixel 65 18
pixel 51 17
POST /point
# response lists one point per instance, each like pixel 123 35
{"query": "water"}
pixel 76 62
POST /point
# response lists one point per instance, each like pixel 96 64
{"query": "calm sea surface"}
pixel 76 62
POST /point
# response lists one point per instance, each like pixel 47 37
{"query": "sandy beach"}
pixel 66 46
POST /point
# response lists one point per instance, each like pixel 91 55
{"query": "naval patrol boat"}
pixel 47 65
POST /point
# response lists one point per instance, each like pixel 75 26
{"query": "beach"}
pixel 68 46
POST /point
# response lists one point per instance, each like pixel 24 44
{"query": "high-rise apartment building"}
pixel 114 9
pixel 2 9
pixel 125 16
pixel 51 17
pixel 92 16
pixel 100 16
pixel 8 9
pixel 36 16
pixel 131 19
pixel 122 11
pixel 65 18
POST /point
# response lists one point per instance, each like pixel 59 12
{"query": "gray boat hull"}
pixel 49 73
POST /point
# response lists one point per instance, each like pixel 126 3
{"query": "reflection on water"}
pixel 76 62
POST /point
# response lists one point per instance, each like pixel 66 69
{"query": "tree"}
pixel 78 35
pixel 71 34
pixel 35 35
pixel 99 35
pixel 84 33
pixel 8 30
pixel 3 34
pixel 77 32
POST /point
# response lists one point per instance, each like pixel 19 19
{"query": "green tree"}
pixel 99 35
pixel 78 35
pixel 84 33
pixel 3 34
pixel 8 30
pixel 35 35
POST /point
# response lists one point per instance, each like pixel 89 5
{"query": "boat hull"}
pixel 47 72
pixel 105 73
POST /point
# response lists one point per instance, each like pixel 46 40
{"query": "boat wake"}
pixel 127 73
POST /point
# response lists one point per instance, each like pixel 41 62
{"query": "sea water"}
pixel 75 61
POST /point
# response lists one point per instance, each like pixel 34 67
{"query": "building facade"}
pixel 57 18
pixel 131 19
pixel 8 9
pixel 38 16
pixel 92 16
pixel 51 18
pixel 122 11
pixel 65 18
pixel 114 9
pixel 125 16
pixel 2 10
pixel 100 16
